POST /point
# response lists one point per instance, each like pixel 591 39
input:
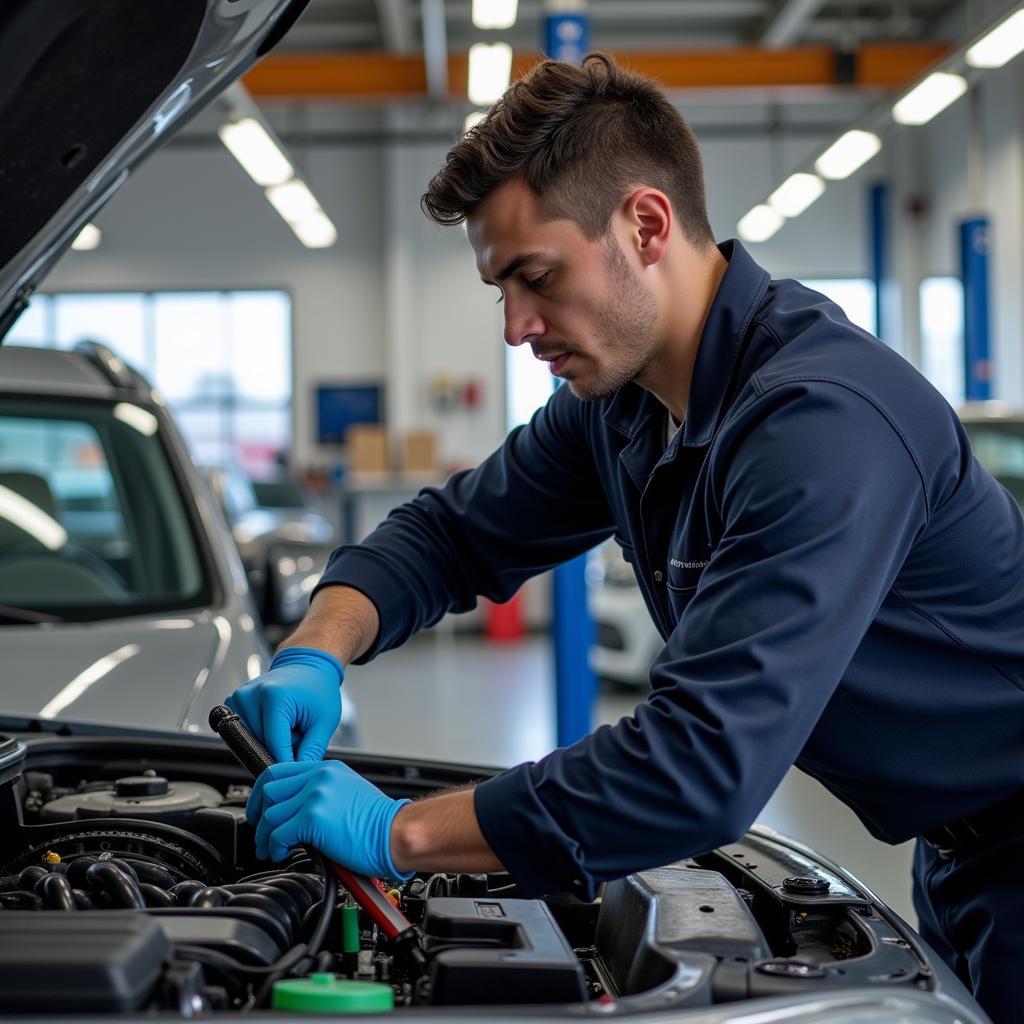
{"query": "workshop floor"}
pixel 461 698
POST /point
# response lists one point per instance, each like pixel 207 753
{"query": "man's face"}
pixel 578 304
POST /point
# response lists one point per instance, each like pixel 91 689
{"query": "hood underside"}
pixel 89 87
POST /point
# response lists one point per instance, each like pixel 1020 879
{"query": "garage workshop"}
pixel 512 509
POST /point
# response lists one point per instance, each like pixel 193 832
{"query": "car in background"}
pixel 626 641
pixel 122 598
pixel 284 549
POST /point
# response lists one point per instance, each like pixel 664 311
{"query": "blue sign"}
pixel 567 35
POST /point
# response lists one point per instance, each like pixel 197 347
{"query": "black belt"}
pixel 999 821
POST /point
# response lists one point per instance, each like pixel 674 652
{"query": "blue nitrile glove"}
pixel 297 700
pixel 328 806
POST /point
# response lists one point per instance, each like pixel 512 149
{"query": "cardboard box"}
pixel 419 452
pixel 367 449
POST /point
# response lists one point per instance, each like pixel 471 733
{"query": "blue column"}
pixel 878 201
pixel 566 35
pixel 974 250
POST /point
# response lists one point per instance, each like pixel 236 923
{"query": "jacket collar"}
pixel 740 292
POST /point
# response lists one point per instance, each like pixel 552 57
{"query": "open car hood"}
pixel 89 88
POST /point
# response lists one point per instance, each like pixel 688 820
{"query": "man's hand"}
pixel 328 806
pixel 297 700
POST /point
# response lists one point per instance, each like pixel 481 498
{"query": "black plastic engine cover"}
pixel 522 957
pixel 93 962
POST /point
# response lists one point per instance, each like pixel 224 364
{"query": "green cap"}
pixel 326 993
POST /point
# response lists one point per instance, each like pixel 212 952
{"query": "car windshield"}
pixel 999 447
pixel 92 521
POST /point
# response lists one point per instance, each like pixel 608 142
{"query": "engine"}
pixel 128 883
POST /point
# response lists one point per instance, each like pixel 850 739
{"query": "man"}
pixel 837 581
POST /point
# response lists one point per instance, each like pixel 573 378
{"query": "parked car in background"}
pixel 122 598
pixel 626 641
pixel 284 548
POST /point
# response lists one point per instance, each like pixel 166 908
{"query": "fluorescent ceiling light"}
pixel 473 119
pixel 137 418
pixel 293 200
pixel 494 13
pixel 31 519
pixel 315 230
pixel 490 68
pixel 86 239
pixel 795 194
pixel 849 152
pixel 256 151
pixel 929 98
pixel 759 224
pixel 1001 45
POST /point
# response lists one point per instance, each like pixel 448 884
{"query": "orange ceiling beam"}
pixel 384 76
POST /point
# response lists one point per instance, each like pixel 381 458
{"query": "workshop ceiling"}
pixel 396 25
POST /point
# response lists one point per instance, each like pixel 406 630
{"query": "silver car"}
pixel 122 598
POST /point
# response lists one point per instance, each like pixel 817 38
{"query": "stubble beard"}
pixel 625 332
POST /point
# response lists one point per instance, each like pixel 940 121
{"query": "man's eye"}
pixel 539 282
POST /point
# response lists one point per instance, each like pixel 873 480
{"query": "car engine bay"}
pixel 129 883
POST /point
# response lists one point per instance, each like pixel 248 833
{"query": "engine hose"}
pixel 155 874
pixel 155 896
pixel 55 892
pixel 283 900
pixel 77 869
pixel 186 891
pixel 119 887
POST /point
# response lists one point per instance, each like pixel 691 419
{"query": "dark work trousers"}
pixel 971 911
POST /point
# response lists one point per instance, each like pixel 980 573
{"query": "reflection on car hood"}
pixel 89 88
pixel 127 672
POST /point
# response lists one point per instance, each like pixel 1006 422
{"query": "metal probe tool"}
pixel 367 892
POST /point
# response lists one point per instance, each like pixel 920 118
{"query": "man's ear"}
pixel 649 215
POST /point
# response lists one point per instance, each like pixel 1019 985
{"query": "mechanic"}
pixel 839 584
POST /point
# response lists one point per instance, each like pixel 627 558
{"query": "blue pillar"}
pixel 566 35
pixel 974 249
pixel 878 201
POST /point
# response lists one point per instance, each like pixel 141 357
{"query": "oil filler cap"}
pixel 141 785
pixel 327 993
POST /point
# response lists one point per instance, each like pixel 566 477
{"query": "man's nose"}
pixel 522 324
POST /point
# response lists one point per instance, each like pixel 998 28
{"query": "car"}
pixel 284 549
pixel 626 641
pixel 128 879
pixel 122 598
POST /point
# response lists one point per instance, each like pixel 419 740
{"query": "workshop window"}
pixel 854 295
pixel 942 335
pixel 222 359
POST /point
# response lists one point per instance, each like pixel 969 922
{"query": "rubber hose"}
pixel 152 873
pixel 77 869
pixel 155 896
pixel 55 892
pixel 108 878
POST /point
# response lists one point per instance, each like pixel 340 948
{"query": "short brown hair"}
pixel 580 138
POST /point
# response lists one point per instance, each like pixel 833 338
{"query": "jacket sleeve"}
pixel 534 503
pixel 819 502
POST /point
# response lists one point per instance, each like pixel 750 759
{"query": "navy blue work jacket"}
pixel 838 582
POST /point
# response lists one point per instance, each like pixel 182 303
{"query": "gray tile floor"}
pixel 461 698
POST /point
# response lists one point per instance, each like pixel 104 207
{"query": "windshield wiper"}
pixel 9 613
